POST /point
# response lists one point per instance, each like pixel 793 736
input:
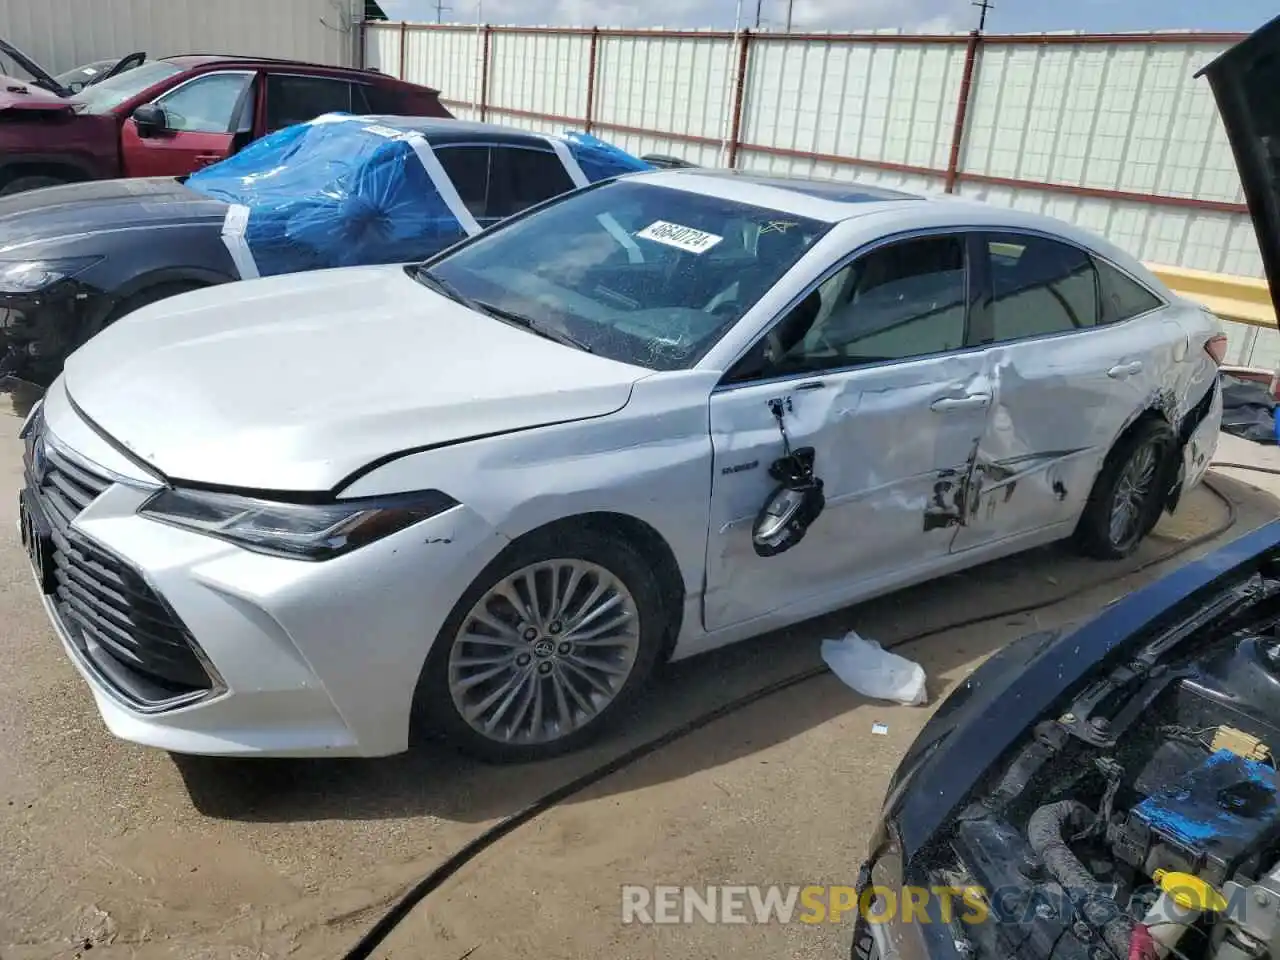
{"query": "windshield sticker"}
pixel 682 238
pixel 778 226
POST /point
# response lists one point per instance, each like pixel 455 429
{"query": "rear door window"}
pixel 296 99
pixel 1040 287
pixel 523 177
pixel 468 169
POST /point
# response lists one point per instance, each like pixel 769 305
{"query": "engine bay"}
pixel 1143 822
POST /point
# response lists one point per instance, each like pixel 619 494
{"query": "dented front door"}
pixel 892 444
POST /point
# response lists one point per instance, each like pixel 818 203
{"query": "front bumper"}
pixel 301 658
pixel 39 330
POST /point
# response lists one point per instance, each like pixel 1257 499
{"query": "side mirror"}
pixel 151 120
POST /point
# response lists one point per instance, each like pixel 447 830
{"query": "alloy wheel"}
pixel 1133 488
pixel 544 651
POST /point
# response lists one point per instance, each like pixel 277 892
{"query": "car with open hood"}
pixel 1110 790
pixel 341 190
pixel 484 495
pixel 172 116
pixel 66 84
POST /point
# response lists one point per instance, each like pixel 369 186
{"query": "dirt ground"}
pixel 112 851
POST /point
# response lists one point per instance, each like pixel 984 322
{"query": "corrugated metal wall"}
pixel 61 34
pixel 1114 133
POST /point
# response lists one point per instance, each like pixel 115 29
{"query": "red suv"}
pixel 169 117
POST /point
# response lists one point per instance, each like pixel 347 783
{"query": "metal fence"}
pixel 1114 132
pixel 61 34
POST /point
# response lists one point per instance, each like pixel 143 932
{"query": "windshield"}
pixel 633 271
pixel 106 96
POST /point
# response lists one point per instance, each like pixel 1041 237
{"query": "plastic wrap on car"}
pixel 342 191
pixel 332 194
pixel 600 160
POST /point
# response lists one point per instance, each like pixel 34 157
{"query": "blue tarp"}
pixel 346 191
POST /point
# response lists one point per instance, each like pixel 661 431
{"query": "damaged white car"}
pixel 485 495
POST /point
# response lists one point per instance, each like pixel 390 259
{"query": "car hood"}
pixel 16 94
pixel 296 383
pixel 27 64
pixel 1244 82
pixel 77 209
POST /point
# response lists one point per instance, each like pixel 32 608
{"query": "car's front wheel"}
pixel 1129 494
pixel 546 647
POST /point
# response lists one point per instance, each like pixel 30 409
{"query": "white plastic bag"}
pixel 874 671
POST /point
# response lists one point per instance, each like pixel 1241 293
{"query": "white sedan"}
pixel 485 495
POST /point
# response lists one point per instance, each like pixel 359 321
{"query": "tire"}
pixel 1138 470
pixel 535 658
pixel 23 184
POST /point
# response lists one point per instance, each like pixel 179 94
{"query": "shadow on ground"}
pixel 18 396
pixel 431 780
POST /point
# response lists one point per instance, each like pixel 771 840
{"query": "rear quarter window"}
pixel 1123 298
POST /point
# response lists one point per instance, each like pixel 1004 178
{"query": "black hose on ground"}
pixel 1045 833
pixel 364 947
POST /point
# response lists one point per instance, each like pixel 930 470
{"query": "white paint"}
pixel 683 238
pixel 562 433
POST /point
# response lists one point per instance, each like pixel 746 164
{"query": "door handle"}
pixel 973 401
pixel 204 159
pixel 1124 370
pixel 812 385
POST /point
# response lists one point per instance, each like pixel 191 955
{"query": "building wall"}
pixel 1113 133
pixel 61 34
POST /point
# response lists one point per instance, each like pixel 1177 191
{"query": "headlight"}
pixel 300 531
pixel 32 276
pixel 32 417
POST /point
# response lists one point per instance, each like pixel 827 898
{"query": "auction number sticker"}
pixel 682 238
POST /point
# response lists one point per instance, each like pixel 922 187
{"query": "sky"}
pixel 1006 16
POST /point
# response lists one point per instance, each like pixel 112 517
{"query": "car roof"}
pixel 834 201
pixel 442 130
pixel 826 200
pixel 189 61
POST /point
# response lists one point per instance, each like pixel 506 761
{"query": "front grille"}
pixel 117 622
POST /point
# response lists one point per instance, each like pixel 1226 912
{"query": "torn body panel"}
pixel 1055 412
pixel 882 436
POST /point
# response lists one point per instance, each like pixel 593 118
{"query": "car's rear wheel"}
pixel 23 184
pixel 549 644
pixel 1129 494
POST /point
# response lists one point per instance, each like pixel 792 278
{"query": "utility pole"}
pixel 759 5
pixel 982 20
pixel 441 9
pixel 790 9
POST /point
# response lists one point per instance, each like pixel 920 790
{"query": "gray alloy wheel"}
pixel 548 646
pixel 544 651
pixel 1130 491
